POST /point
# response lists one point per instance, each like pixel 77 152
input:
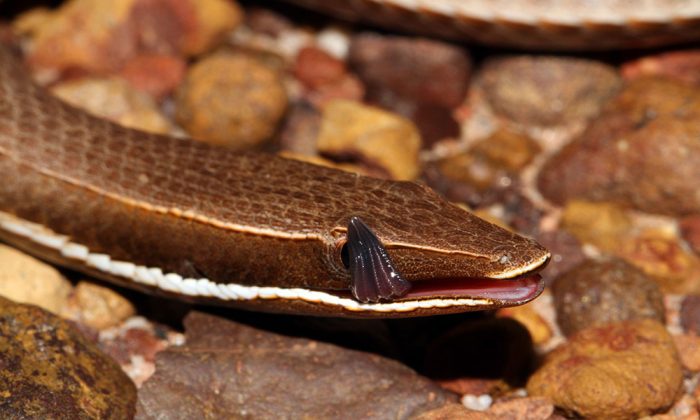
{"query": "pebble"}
pixel 239 367
pixel 604 372
pixel 115 100
pixel 483 173
pixel 640 153
pixel 690 314
pixel 49 370
pixel 315 68
pixel 325 77
pixel 98 37
pixel 566 253
pixel 100 307
pixel 690 231
pixel 600 224
pixel 688 346
pixel 529 408
pixel 232 100
pixel 299 132
pixel 27 280
pixel 547 90
pixel 422 70
pixel 421 79
pixel 452 411
pixel 157 75
pixel 376 138
pixel 681 65
pixel 660 253
pixel 598 292
pixel 477 402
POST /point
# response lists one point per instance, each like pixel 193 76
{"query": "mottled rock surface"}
pixel 599 292
pixel 234 100
pixel 228 369
pixel 640 153
pixel 49 370
pixel 547 90
pixel 606 371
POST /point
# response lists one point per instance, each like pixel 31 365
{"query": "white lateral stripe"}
pixel 173 282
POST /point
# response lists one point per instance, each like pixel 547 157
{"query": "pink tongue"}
pixel 520 289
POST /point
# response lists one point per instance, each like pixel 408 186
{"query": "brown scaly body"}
pixel 199 211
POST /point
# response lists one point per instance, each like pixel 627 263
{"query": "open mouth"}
pixel 507 291
pixel 504 292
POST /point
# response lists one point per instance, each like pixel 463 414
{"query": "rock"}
pixel 423 80
pixel 379 139
pixel 157 75
pixel 49 370
pixel 300 130
pixel 679 65
pixel 482 172
pixel 231 99
pixel 267 21
pixel 688 346
pixel 599 292
pixel 690 314
pixel 599 224
pixel 475 386
pixel 425 71
pixel 98 37
pixel 531 408
pixel 605 372
pixel 114 99
pixel 527 316
pixel 27 280
pixel 660 254
pixel 690 231
pixel 566 253
pixel 450 412
pixel 258 374
pixel 547 90
pixel 100 307
pixel 640 153
pixel 326 77
pixel 315 68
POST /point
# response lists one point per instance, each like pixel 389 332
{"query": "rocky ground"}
pixel 596 156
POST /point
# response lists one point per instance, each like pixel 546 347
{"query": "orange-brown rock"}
pixel 615 371
pixel 234 100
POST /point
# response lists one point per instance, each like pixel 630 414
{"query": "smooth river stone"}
pixel 641 153
pixel 229 370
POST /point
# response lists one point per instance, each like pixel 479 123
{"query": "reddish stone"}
pixel 155 74
pixel 679 65
pixel 315 68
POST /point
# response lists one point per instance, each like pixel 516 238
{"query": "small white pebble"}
pixel 335 42
pixel 477 402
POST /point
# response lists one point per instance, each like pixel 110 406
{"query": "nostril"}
pixel 504 259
